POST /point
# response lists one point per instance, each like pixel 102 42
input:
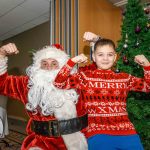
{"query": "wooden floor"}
pixel 17 125
pixel 16 135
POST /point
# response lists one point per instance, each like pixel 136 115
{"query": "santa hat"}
pixel 54 51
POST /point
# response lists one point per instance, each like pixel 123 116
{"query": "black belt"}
pixel 57 128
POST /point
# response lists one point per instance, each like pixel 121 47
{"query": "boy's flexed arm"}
pixel 141 84
pixel 64 79
pixel 142 60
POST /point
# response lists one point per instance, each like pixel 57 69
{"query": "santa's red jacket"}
pixel 16 87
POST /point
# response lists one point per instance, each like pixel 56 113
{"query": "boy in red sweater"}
pixel 103 96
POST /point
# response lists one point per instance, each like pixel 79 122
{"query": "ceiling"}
pixel 17 16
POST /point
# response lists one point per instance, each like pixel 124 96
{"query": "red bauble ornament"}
pixel 138 29
pixel 124 57
pixel 147 11
pixel 125 60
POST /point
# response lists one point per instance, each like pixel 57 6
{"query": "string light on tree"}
pixel 137 44
pixel 126 40
pixel 125 46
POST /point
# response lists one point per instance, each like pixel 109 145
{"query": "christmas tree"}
pixel 135 40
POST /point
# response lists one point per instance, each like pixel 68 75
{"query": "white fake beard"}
pixel 43 96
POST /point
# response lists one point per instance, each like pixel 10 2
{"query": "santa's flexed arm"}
pixel 8 49
pixel 10 85
pixel 5 50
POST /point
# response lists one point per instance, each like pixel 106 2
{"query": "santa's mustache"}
pixel 36 73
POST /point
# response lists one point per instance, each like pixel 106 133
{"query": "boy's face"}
pixel 49 64
pixel 104 57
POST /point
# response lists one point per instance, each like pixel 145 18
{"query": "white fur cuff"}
pixel 3 65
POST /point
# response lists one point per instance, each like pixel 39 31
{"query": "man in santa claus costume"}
pixel 53 123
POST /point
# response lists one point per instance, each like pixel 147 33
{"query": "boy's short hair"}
pixel 102 42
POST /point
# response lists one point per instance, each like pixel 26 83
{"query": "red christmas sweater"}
pixel 103 96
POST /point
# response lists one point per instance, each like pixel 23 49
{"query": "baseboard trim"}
pixel 17 118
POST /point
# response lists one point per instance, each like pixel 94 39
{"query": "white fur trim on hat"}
pixel 3 65
pixel 50 52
